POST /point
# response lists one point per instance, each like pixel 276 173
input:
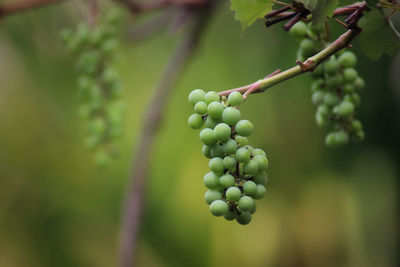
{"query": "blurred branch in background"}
pixel 160 4
pixel 15 7
pixel 134 201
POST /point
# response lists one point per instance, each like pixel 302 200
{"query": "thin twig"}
pixel 134 201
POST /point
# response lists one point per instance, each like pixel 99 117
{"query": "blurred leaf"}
pixel 248 11
pixel 320 9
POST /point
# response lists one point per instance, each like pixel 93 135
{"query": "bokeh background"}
pixel 324 207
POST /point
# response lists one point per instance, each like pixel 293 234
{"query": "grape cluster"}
pixel 334 89
pixel 237 170
pixel 98 83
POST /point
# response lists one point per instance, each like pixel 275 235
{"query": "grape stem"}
pixel 302 67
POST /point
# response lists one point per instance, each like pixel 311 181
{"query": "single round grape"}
pixel 216 165
pixel 241 140
pixel 323 111
pixel 230 147
pixel 331 99
pixel 233 193
pixel 356 126
pixel 249 187
pixel 219 207
pixel 229 162
pixel 262 162
pixel 342 137
pixel 222 132
pixel 212 195
pixel 359 83
pixel 109 46
pixel 97 126
pixel 245 203
pixel 317 85
pixel 249 148
pixel 261 178
pixel 217 151
pixel 244 127
pixel 350 75
pixel 196 96
pixel 231 116
pixel 258 151
pixel 253 209
pixel 320 120
pixel 330 139
pixel 299 30
pixel 345 109
pixel 244 218
pixel 211 180
pixel 260 192
pixel 235 99
pixel 251 167
pixel 226 180
pixel 318 97
pixel 207 137
pixel 195 121
pixel 200 108
pixel 355 98
pixel 307 47
pixel 348 59
pixel 348 88
pixel 242 155
pixel 360 136
pixel 206 150
pixel 211 96
pixel 211 123
pixel 334 81
pixel 215 110
pixel 230 215
pixel 332 66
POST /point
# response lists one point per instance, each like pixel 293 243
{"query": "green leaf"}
pixel 378 37
pixel 248 11
pixel 320 9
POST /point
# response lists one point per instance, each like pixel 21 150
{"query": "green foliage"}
pixel 248 11
pixel 320 10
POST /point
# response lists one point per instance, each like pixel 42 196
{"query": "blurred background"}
pixel 324 207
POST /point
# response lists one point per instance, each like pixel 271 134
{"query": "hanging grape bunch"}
pixel 98 83
pixel 334 89
pixel 237 170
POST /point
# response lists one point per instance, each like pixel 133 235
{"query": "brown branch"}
pixel 16 7
pixel 134 200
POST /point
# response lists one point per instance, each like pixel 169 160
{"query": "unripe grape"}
pixel 318 97
pixel 323 111
pixel 348 59
pixel 230 147
pixel 109 46
pixel 219 207
pixel 261 178
pixel 231 116
pixel 216 165
pixel 242 155
pixel 320 120
pixel 244 127
pixel 195 121
pixel 342 137
pixel 260 192
pixel 211 123
pixel 350 75
pixel 207 137
pixel 230 215
pixel 229 162
pixel 241 140
pixel 330 139
pixel 206 150
pixel 331 99
pixel 345 109
pixel 244 218
pixel 212 195
pixel 211 96
pixel 317 85
pixel 235 99
pixel 215 110
pixel 245 203
pixel 299 30
pixel 348 88
pixel 359 83
pixel 334 81
pixel 332 66
pixel 356 126
pixel 262 162
pixel 211 180
pixel 258 151
pixel 97 126
pixel 217 151
pixel 196 96
pixel 249 187
pixel 307 47
pixel 249 148
pixel 222 132
pixel 226 180
pixel 360 135
pixel 251 167
pixel 253 209
pixel 233 193
pixel 200 108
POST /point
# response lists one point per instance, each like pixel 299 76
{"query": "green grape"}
pixel 230 215
pixel 249 188
pixel 212 195
pixel 206 150
pixel 245 203
pixel 200 108
pixel 222 132
pixel 216 165
pixel 345 109
pixel 249 148
pixel 109 46
pixel 342 137
pixel 359 83
pixel 231 116
pixel 332 66
pixel 331 99
pixel 307 47
pixel 211 97
pixel 323 111
pixel 196 96
pixel 235 99
pixel 348 59
pixel 207 137
pixel 261 178
pixel 219 207
pixel 230 147
pixel 244 218
pixel 330 139
pixel 348 88
pixel 350 75
pixel 217 151
pixel 211 123
pixel 244 127
pixel 97 126
pixel 251 167
pixel 258 151
pixel 253 209
pixel 211 180
pixel 215 110
pixel 233 193
pixel 320 120
pixel 241 140
pixel 260 192
pixel 226 180
pixel 195 121
pixel 262 162
pixel 335 80
pixel 229 162
pixel 317 85
pixel 356 126
pixel 299 30
pixel 360 135
pixel 242 155
pixel 318 97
